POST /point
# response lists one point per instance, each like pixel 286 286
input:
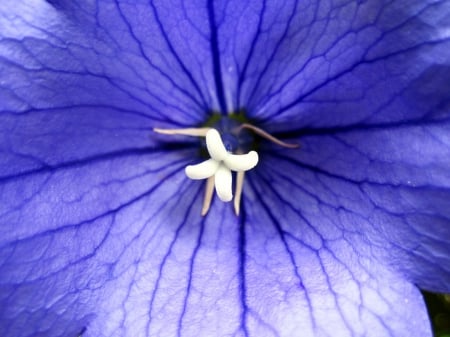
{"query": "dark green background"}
pixel 439 309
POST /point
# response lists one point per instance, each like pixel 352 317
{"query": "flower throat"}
pixel 229 144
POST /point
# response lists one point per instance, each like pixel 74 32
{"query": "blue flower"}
pixel 100 229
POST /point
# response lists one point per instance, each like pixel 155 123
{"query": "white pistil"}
pixel 203 170
pixel 215 146
pixel 220 166
pixel 217 169
pixel 223 181
pixel 241 162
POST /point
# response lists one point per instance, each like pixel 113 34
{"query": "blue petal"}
pixel 387 187
pixel 319 282
pixel 74 233
pixel 326 64
pixel 364 87
pixel 100 230
pixel 116 56
pixel 367 98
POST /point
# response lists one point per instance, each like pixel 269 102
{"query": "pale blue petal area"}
pixel 258 275
pixel 118 55
pixel 75 233
pixel 316 282
pixel 186 283
pixel 387 191
pixel 317 64
pixel 264 274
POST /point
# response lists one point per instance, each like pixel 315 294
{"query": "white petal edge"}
pixel 241 162
pixel 215 145
pixel 203 170
pixel 223 182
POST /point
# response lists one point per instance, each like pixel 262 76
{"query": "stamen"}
pixel 268 136
pixel 209 189
pixel 196 132
pixel 238 193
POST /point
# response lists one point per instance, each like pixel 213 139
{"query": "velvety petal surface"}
pixel 300 64
pixel 363 86
pixel 388 186
pixel 101 232
pixel 79 168
pixel 367 98
pixel 105 55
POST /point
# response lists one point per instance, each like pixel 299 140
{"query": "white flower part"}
pixel 221 164
pixel 223 181
pixel 203 170
pixel 215 146
pixel 241 162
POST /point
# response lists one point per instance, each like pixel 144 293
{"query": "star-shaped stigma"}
pixel 220 165
pixel 217 169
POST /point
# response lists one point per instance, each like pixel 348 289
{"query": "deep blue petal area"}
pixel 363 87
pixel 313 64
pixel 80 173
pixel 131 57
pixel 100 231
pixel 386 188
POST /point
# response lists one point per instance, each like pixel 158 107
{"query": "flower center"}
pixel 236 138
pixel 220 165
pixel 228 145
